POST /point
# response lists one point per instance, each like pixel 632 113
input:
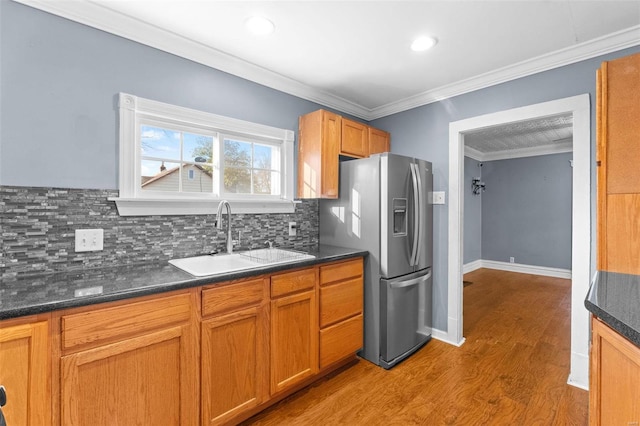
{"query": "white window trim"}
pixel 131 200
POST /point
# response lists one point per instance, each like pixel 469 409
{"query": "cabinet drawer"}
pixel 226 298
pixel 340 271
pixel 340 301
pixel 108 324
pixel 340 340
pixel 292 282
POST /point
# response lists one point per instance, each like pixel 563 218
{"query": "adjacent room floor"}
pixel 513 368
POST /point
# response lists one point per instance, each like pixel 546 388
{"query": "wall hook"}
pixel 477 186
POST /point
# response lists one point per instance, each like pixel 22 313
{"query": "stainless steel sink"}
pixel 201 266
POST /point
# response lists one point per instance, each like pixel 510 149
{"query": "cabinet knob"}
pixel 3 396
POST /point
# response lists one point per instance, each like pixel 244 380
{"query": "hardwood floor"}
pixel 512 370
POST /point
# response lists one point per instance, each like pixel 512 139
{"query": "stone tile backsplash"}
pixel 37 227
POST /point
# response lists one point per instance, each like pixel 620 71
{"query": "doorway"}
pixel 579 108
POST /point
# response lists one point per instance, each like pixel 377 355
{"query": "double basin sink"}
pixel 201 266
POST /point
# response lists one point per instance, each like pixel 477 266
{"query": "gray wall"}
pixel 424 132
pixel 526 210
pixel 472 243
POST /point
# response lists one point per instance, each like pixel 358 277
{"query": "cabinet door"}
pixel 25 373
pixel 294 339
pixel 618 150
pixel 131 362
pixel 614 397
pixel 318 148
pixel 148 379
pixel 355 139
pixel 379 141
pixel 235 363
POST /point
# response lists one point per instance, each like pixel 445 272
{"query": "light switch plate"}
pixel 292 229
pixel 438 197
pixel 89 239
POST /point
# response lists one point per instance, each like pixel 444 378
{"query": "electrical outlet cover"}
pixel 89 240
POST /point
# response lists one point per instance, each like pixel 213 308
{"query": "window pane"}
pixel 266 182
pixel 263 156
pixel 159 176
pixel 237 154
pixel 159 142
pixel 237 181
pixel 197 148
pixel 197 178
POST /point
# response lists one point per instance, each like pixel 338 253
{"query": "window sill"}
pixel 190 206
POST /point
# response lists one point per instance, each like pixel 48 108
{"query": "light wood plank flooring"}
pixel 512 370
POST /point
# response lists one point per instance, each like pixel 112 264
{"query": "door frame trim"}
pixel 579 106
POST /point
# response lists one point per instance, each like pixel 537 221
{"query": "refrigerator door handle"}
pixel 416 218
pixel 412 282
pixel 419 220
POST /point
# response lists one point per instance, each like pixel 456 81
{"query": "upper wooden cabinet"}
pixel 323 137
pixel 25 371
pixel 318 147
pixel 379 141
pixel 355 139
pixel 618 156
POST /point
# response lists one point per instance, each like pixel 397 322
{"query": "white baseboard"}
pixel 443 336
pixel 471 266
pixel 579 375
pixel 517 267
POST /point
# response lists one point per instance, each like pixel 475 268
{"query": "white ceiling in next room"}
pixel 540 136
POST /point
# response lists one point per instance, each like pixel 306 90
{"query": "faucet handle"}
pixel 270 243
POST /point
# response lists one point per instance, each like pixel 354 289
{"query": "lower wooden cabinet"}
pixel 294 329
pixel 210 355
pixel 25 371
pixel 341 308
pixel 614 395
pixel 132 363
pixel 235 357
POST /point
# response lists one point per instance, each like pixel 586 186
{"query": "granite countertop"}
pixel 45 293
pixel 615 299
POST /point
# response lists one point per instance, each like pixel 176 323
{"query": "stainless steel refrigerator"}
pixel 385 207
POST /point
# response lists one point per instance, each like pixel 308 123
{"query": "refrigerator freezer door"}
pixel 397 213
pixel 404 323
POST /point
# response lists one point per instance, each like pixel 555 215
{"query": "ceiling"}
pixel 540 136
pixel 354 56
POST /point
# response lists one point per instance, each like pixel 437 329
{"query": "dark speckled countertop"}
pixel 45 293
pixel 615 299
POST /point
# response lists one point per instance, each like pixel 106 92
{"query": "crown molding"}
pixel 473 153
pixel 600 46
pixel 103 18
pixel 111 21
pixel 556 148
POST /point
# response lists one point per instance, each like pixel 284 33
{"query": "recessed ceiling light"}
pixel 259 26
pixel 423 43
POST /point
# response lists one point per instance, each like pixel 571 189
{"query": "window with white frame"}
pixel 175 160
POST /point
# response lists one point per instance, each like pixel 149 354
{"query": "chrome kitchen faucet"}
pixel 219 223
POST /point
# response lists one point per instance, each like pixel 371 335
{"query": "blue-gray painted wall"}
pixel 472 235
pixel 424 132
pixel 526 210
pixel 59 82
